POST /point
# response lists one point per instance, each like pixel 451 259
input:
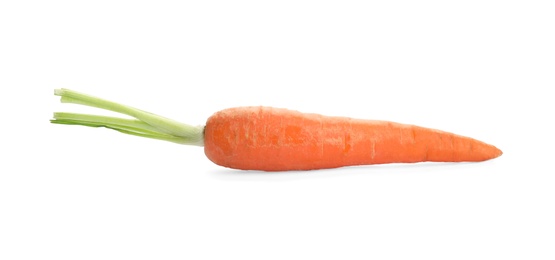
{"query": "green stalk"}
pixel 145 125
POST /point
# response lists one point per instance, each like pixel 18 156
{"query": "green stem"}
pixel 145 125
pixel 106 120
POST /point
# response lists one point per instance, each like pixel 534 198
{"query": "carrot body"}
pixel 272 139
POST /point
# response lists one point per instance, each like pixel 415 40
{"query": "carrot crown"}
pixel 145 124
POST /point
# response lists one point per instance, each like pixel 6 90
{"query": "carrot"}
pixel 275 139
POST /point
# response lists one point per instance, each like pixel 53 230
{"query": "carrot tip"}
pixel 495 152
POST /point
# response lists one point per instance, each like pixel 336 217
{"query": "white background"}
pixel 476 68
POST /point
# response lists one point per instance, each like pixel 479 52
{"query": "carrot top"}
pixel 145 123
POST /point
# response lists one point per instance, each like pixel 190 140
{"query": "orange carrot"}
pixel 274 139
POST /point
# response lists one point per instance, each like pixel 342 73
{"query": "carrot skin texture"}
pixel 275 139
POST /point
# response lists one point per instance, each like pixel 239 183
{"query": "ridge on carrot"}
pixel 276 139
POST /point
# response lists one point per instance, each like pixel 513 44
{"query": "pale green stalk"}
pixel 145 125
